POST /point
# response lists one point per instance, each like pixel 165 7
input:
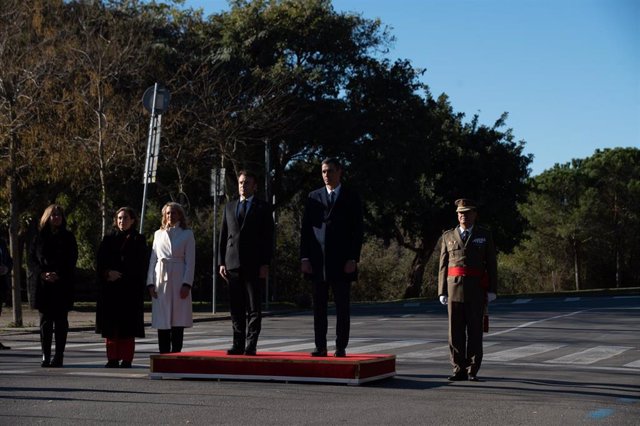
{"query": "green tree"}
pixel 582 224
pixel 413 156
pixel 612 202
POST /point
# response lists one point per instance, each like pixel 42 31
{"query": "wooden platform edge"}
pixel 286 379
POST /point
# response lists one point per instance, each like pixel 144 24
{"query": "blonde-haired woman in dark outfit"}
pixel 52 259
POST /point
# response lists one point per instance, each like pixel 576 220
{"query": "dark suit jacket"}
pixel 250 244
pixel 343 234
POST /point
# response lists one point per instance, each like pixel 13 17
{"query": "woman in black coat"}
pixel 52 260
pixel 123 259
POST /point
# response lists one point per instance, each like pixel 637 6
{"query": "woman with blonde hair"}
pixel 170 277
pixel 52 263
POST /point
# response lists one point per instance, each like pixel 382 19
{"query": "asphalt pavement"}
pixel 548 361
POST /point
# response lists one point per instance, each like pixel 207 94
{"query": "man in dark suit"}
pixel 246 240
pixel 467 281
pixel 330 244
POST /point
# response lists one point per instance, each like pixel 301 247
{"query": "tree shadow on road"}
pixel 509 385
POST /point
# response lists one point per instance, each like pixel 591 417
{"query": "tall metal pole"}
pixel 152 126
pixel 217 191
pixel 215 253
pixel 267 176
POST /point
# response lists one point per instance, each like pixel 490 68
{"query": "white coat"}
pixel 172 263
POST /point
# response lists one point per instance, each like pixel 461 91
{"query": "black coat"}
pixel 247 245
pixel 343 234
pixel 120 308
pixel 53 252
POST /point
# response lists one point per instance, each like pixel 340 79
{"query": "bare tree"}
pixel 108 59
pixel 25 42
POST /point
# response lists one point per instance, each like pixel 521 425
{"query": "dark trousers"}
pixel 53 323
pixel 465 336
pixel 170 340
pixel 245 299
pixel 341 296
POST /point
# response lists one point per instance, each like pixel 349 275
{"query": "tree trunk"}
pixel 14 241
pixel 416 274
pixel 576 264
pixel 102 171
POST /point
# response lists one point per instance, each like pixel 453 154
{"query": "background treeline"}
pixel 300 81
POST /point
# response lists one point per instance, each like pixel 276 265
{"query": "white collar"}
pixel 336 190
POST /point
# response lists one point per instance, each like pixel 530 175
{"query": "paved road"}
pixel 547 361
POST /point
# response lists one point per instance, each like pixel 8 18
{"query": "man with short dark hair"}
pixel 467 281
pixel 244 255
pixel 330 245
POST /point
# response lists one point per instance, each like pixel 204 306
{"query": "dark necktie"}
pixel 242 212
pixel 465 235
pixel 332 198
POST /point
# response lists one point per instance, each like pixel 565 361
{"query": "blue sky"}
pixel 566 71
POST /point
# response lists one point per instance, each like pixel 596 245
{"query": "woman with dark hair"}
pixel 170 278
pixel 52 260
pixel 122 263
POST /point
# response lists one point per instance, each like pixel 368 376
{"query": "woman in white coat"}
pixel 170 278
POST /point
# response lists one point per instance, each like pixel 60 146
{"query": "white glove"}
pixel 491 297
pixel 443 299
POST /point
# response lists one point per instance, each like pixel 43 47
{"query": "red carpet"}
pixel 280 366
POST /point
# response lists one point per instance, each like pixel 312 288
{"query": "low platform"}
pixel 354 369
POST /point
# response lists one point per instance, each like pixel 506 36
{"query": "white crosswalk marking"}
pixel 227 344
pixel 442 351
pixel 520 352
pixel 634 364
pixel 521 301
pixel 591 355
pixel 370 345
pixel 311 345
pixel 386 346
pixel 153 347
pixel 297 348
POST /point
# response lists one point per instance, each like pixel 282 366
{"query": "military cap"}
pixel 464 205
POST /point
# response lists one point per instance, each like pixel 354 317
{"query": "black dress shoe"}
pixel 56 363
pixel 473 378
pixel 340 353
pixel 235 351
pixel 112 363
pixel 458 377
pixel 125 364
pixel 250 352
pixel 319 352
pixel 4 347
pixel 45 363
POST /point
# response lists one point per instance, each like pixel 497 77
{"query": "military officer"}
pixel 467 281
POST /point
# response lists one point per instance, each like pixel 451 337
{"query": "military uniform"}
pixel 468 271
